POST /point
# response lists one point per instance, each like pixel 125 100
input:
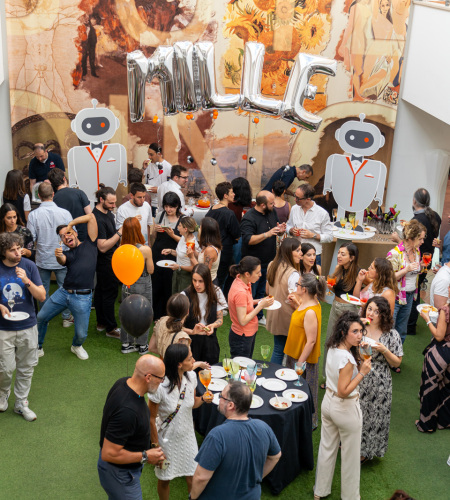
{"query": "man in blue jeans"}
pixel 76 291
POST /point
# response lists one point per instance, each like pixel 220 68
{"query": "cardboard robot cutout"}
pixel 354 180
pixel 98 162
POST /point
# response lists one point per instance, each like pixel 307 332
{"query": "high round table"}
pixel 292 428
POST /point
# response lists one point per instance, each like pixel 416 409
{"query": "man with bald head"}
pixel 259 228
pixel 125 432
pixel 42 163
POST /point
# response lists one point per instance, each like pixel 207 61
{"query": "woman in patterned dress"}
pixel 376 387
pixel 435 385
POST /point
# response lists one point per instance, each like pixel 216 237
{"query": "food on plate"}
pixel 282 374
pixel 281 404
pixel 270 296
pixel 367 229
pixel 428 309
pixel 165 263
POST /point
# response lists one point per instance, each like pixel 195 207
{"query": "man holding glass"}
pixel 235 456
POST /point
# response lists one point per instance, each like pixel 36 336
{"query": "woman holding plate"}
pixel 282 277
pixel 376 388
pixel 303 341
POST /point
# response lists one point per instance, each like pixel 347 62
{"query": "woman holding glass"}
pixel 341 413
pixel 282 277
pixel 211 246
pixel 308 262
pixel 206 305
pixel 435 385
pixel 376 388
pixel 405 259
pixel 345 276
pixel 186 247
pixel 171 423
pixel 243 308
pixel 382 282
pixel 303 340
pixel 132 235
pixel 165 235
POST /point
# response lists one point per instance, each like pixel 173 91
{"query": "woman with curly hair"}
pixel 341 413
pixel 375 390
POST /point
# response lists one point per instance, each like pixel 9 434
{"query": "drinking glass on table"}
pixel 251 368
pixel 226 363
pixel 354 223
pixel 258 369
pixel 251 383
pixel 265 352
pixel 299 370
pixel 343 221
pixel 205 379
pixel 234 368
pixel 334 212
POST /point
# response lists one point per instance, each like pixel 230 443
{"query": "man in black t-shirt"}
pixel 42 163
pixel 76 292
pixel 73 200
pixel 125 431
pixel 107 286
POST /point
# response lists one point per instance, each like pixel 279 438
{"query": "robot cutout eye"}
pixel 359 139
pixel 95 125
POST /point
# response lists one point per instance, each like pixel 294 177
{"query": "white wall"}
pixel 421 149
pixel 6 158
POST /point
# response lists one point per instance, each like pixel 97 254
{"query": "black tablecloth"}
pixel 292 427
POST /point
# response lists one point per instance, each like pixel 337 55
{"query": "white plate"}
pixel 273 402
pixel 369 341
pixel 217 384
pixel 286 374
pixel 274 384
pixel 202 208
pixel 295 395
pixel 17 316
pixel 276 305
pixel 369 229
pixel 165 263
pixel 355 301
pixel 434 315
pixel 243 362
pixel 257 402
pixel 218 372
pixel 348 235
pixel 216 399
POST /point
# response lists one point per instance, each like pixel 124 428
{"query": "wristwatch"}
pixel 144 458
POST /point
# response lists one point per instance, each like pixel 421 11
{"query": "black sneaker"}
pixel 127 348
pixel 143 349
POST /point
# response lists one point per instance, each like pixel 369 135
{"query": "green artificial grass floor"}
pixel 55 457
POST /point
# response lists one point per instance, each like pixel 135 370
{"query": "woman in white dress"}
pixel 171 423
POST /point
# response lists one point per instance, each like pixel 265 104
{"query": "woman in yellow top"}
pixel 303 341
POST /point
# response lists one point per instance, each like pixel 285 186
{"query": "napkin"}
pixel 260 380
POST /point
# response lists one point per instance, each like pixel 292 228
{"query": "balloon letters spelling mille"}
pixel 355 180
pixel 98 162
pixel 187 81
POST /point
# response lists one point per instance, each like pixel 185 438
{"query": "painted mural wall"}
pixel 63 53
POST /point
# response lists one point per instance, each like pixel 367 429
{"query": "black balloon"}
pixel 136 315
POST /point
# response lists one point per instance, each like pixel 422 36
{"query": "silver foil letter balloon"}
pixel 184 82
pixel 298 89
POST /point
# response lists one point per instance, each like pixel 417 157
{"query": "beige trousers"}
pixel 341 422
pixel 18 351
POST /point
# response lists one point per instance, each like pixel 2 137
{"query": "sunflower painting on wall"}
pixel 285 27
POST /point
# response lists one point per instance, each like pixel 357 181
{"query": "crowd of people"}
pixel 242 257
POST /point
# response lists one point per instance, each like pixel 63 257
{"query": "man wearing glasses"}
pixel 177 182
pixel 125 445
pixel 308 222
pixel 235 456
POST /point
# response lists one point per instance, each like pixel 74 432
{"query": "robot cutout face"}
pixel 359 138
pixel 95 125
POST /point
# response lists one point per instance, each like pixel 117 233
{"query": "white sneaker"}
pixel 225 312
pixel 262 321
pixel 79 351
pixel 4 402
pixel 27 414
pixel 68 322
pixel 40 352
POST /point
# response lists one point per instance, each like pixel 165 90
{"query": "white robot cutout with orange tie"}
pixel 98 162
pixel 354 180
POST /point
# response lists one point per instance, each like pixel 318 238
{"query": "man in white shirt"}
pixel 309 222
pixel 136 207
pixel 178 181
pixel 157 171
pixel 439 287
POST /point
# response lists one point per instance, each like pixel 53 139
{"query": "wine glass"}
pixel 265 351
pixel 331 280
pixel 343 221
pixel 426 257
pixel 334 212
pixel 290 290
pixel 11 303
pixel 205 379
pixel 354 223
pixel 299 369
pixel 365 351
pixel 234 368
pixel 226 363
pixel 251 382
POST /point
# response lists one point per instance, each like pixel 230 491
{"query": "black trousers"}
pixel 88 51
pixel 240 345
pixel 105 296
pixel 413 316
pixel 205 348
pixel 226 259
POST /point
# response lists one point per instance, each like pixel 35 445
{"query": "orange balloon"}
pixel 128 264
pixel 293 130
pixel 244 157
pixel 155 119
pixel 256 120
